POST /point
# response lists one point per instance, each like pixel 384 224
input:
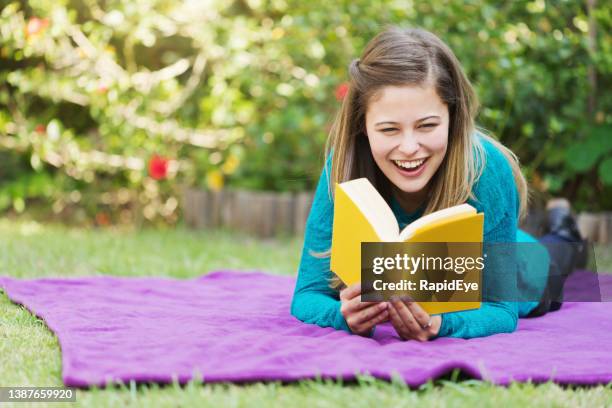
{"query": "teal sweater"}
pixel 496 195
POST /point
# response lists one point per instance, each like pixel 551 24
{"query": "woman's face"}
pixel 407 127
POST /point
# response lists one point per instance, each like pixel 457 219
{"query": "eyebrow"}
pixel 420 120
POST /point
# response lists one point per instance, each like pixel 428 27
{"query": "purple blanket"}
pixel 236 326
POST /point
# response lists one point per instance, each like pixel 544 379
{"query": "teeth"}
pixel 409 164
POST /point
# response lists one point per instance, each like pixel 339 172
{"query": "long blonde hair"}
pixel 412 56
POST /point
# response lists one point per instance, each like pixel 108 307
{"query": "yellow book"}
pixel 361 214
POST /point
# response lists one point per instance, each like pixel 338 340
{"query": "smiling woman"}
pixel 407 124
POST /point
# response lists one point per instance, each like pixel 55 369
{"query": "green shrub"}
pixel 113 110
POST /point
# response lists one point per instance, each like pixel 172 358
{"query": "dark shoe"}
pixel 562 224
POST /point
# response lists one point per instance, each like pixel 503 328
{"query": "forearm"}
pixel 318 308
pixel 491 318
pixel 313 300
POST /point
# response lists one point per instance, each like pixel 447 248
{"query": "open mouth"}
pixel 410 166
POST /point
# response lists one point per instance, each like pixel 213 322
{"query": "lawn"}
pixel 30 354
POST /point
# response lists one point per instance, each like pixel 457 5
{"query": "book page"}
pixel 374 208
pixel 437 217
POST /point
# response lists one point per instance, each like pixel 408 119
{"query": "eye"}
pixel 429 125
pixel 386 130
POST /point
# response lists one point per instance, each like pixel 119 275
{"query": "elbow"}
pixel 509 322
pixel 510 326
pixel 296 310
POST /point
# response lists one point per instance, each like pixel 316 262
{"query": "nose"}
pixel 409 144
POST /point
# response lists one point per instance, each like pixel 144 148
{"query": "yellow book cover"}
pixel 362 215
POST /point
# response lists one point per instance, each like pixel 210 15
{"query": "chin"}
pixel 410 188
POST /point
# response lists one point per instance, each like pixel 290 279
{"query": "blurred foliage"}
pixel 113 106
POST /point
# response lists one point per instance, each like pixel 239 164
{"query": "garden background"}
pixel 110 110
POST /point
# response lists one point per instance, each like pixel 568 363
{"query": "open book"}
pixel 361 214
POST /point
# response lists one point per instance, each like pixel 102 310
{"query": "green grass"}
pixel 30 354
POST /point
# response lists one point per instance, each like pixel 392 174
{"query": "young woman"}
pixel 407 124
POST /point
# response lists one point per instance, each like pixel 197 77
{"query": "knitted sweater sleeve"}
pixel 313 300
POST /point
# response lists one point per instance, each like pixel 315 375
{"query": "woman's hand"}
pixel 360 316
pixel 411 322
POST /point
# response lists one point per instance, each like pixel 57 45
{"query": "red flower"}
pixel 40 129
pixel 35 26
pixel 102 219
pixel 158 167
pixel 341 91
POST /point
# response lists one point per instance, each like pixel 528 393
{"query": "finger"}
pixel 367 325
pixel 351 291
pixel 370 312
pixel 383 316
pixel 420 315
pixel 356 304
pixel 361 322
pixel 354 307
pixel 406 316
pixel 398 323
pixel 386 314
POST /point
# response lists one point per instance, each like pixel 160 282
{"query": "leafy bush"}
pixel 113 110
